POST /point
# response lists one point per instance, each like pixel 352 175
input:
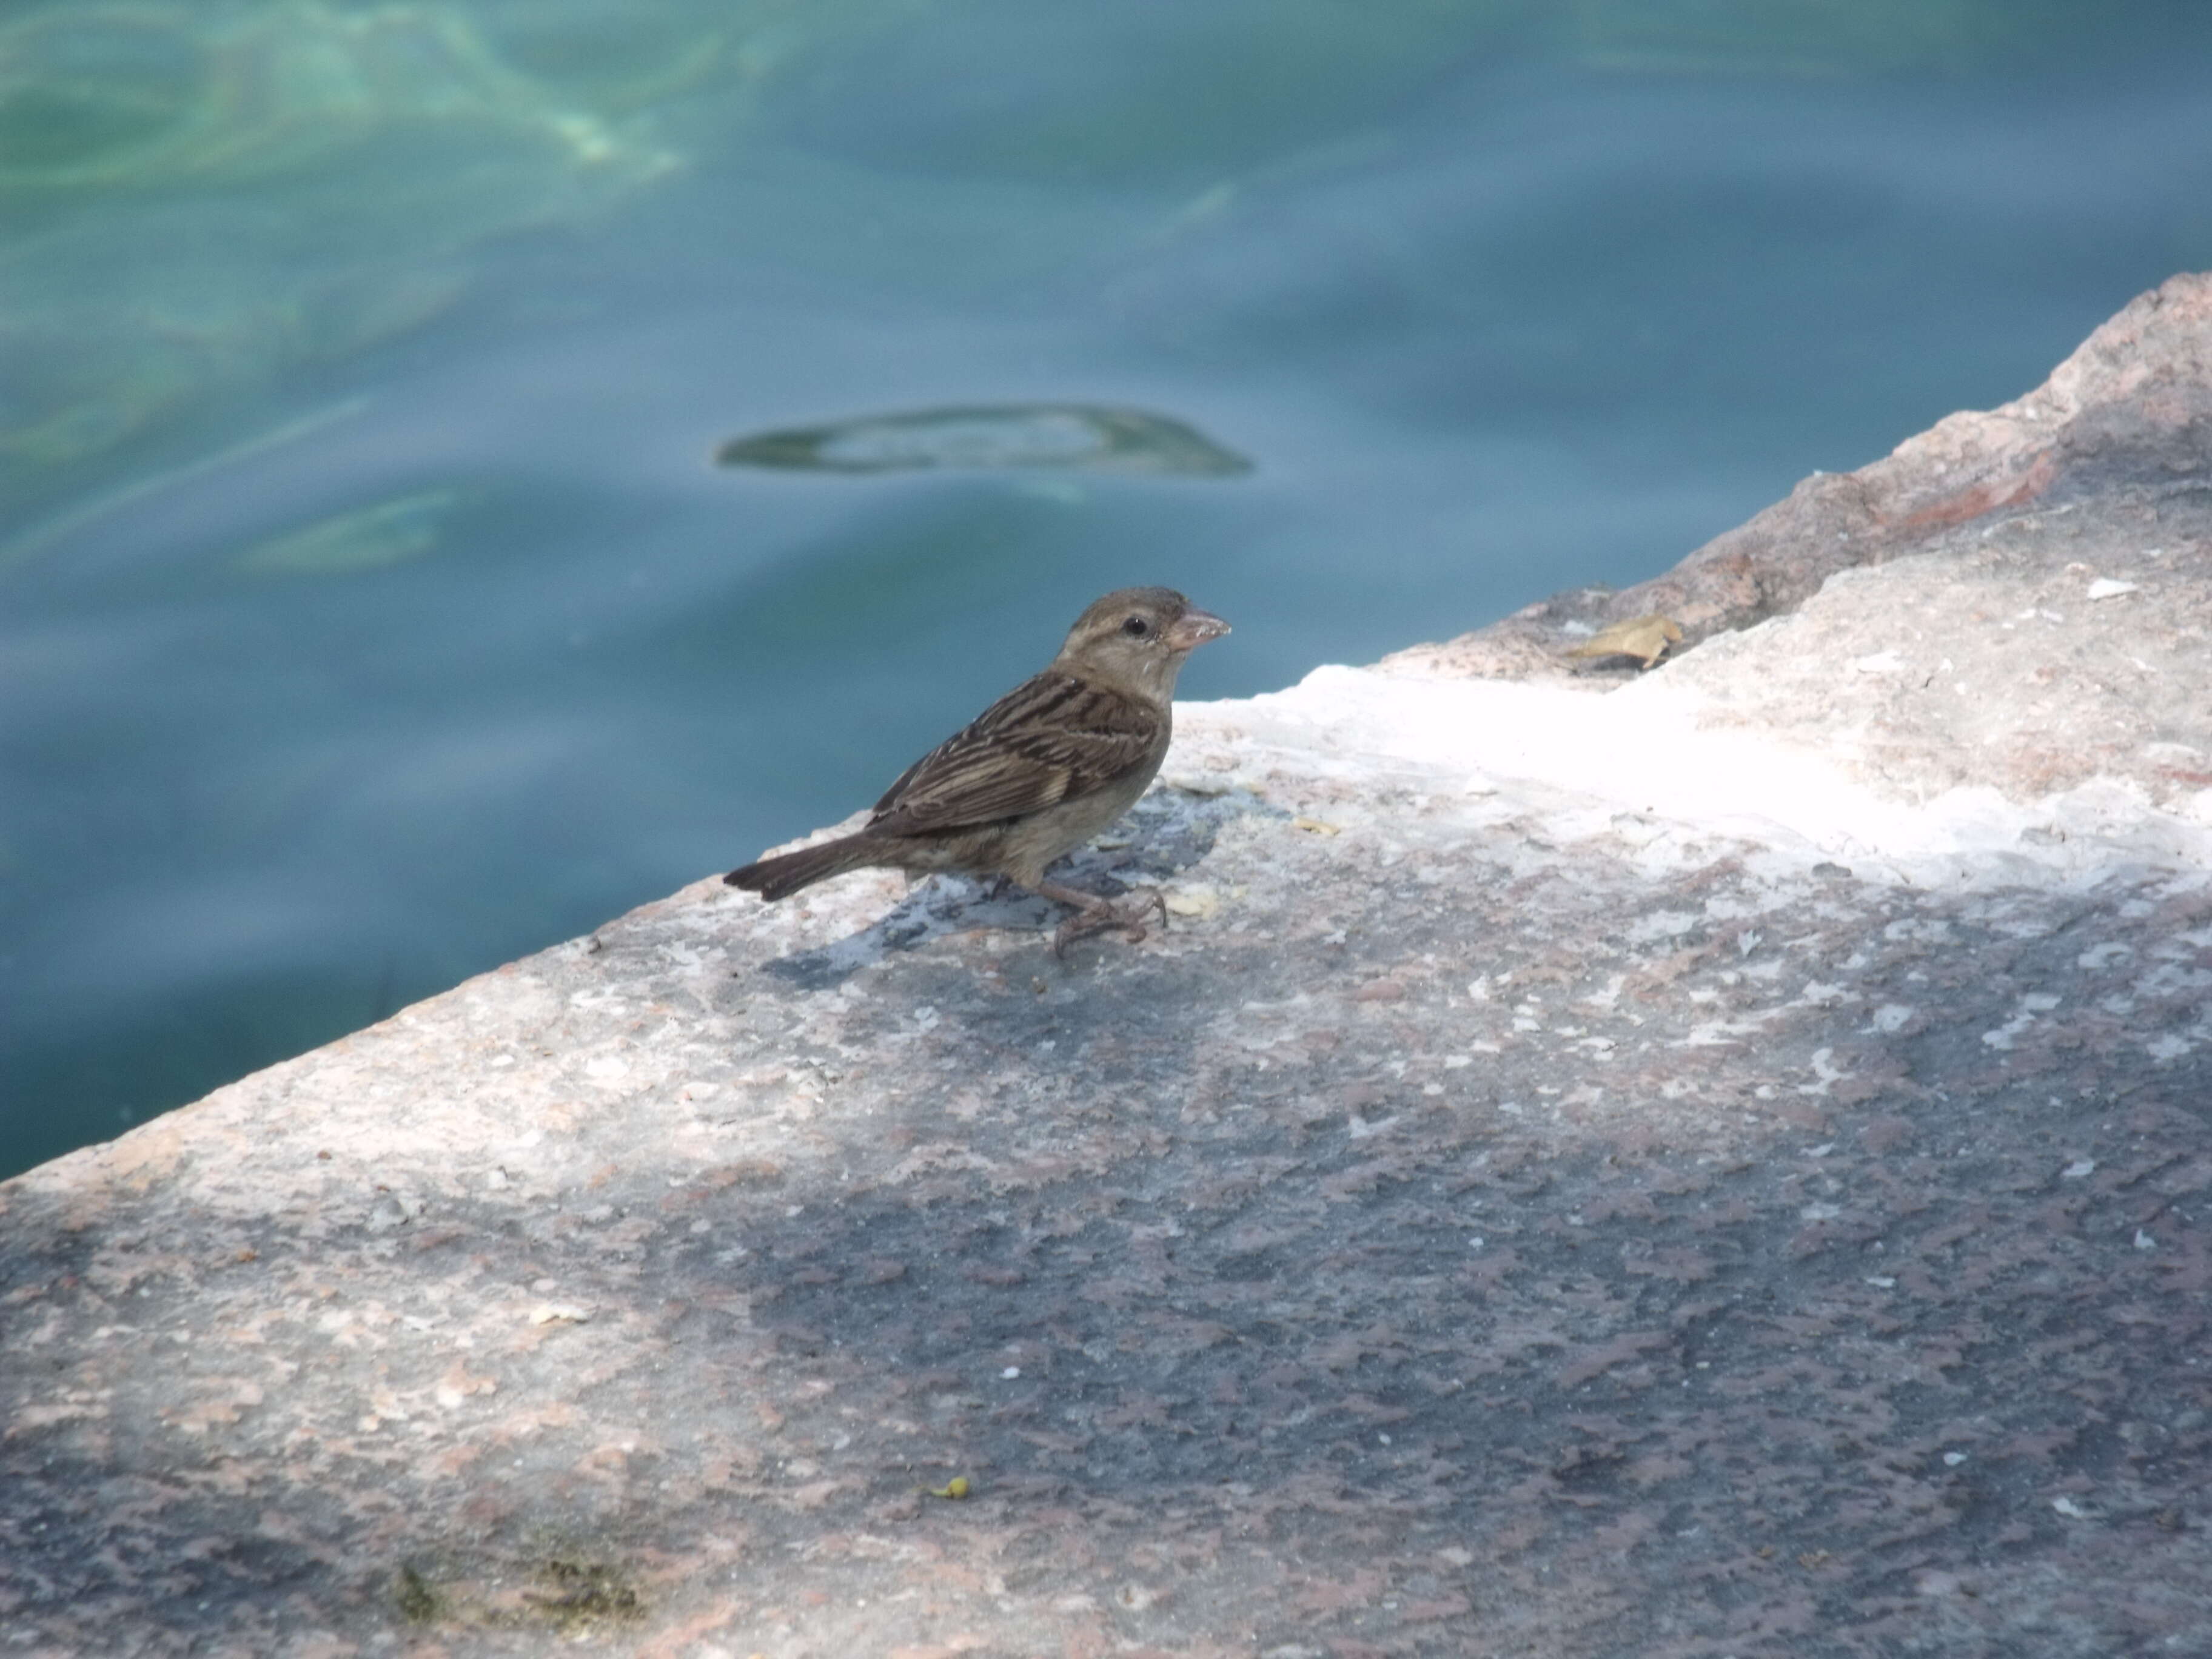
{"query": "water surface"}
pixel 372 610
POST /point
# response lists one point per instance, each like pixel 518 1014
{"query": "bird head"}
pixel 1136 640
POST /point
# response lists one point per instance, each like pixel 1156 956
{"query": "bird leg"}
pixel 1094 915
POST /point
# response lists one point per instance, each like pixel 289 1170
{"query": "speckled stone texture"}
pixel 1528 1205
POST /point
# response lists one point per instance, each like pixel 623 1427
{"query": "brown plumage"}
pixel 1037 773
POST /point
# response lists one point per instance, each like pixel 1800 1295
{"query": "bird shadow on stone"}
pixel 1165 834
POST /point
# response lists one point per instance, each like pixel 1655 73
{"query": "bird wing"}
pixel 1049 739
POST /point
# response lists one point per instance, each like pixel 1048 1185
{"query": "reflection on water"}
pixel 1071 437
pixel 371 609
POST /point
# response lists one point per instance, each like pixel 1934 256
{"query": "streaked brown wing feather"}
pixel 1049 739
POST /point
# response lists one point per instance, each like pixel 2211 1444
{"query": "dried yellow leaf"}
pixel 1645 638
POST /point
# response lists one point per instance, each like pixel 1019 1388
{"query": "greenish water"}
pixel 373 610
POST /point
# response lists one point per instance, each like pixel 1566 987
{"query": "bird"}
pixel 1035 775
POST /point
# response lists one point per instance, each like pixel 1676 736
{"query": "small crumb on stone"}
pixel 1196 900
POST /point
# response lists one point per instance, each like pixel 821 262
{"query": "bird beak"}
pixel 1194 628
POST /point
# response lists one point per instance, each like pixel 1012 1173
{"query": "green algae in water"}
pixel 372 539
pixel 194 201
pixel 42 536
pixel 1081 437
pixel 93 94
pixel 139 97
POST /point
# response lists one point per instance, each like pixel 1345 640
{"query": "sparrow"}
pixel 1035 775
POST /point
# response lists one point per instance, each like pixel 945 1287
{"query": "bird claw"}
pixel 1103 915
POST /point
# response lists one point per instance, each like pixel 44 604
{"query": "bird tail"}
pixel 786 872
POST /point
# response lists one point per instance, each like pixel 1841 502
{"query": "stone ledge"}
pixel 1717 1167
pixel 2126 419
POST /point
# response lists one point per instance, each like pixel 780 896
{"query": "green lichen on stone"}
pixel 417 1602
pixel 579 1593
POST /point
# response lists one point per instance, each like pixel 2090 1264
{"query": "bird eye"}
pixel 1136 628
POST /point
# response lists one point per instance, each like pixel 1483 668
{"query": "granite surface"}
pixel 1709 1161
